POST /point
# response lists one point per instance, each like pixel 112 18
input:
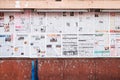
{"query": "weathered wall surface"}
pixel 15 69
pixel 61 69
pixel 64 4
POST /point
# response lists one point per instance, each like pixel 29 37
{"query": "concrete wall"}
pixel 61 69
pixel 64 4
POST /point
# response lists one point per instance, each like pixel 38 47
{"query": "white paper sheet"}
pixel 53 45
pixel 101 47
pixel 101 23
pixel 22 45
pixel 115 22
pixel 86 45
pixel 6 45
pixel 22 22
pixel 69 45
pixel 115 44
pixel 38 22
pixel 86 23
pixel 54 22
pixel 2 22
pixel 70 23
pixel 37 45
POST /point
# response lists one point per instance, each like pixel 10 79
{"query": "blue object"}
pixel 36 70
pixel 33 71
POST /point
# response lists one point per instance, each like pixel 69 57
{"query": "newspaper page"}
pixel 86 23
pixel 86 45
pixel 22 22
pixel 22 45
pixel 6 45
pixel 115 45
pixel 37 44
pixel 101 23
pixel 38 22
pixel 69 45
pixel 53 45
pixel 115 22
pixel 101 47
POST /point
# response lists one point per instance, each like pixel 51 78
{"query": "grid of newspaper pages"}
pixel 63 34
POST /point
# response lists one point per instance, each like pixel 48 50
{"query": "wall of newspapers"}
pixel 63 34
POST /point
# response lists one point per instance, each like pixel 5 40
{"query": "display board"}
pixel 64 34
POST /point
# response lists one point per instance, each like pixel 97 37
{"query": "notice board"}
pixel 64 34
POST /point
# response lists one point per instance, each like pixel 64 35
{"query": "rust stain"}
pixel 62 69
pixel 15 70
